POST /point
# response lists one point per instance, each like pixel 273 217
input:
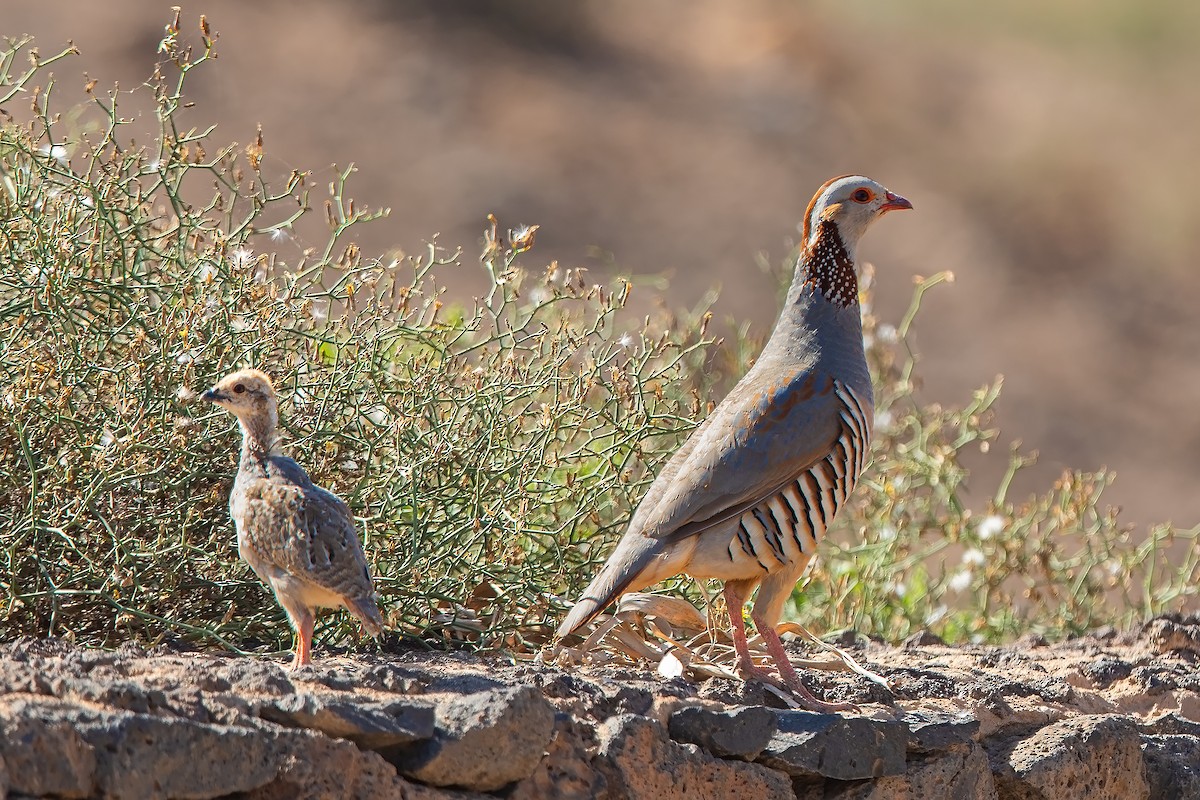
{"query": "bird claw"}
pixel 806 699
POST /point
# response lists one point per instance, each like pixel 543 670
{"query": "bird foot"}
pixel 806 699
pixel 814 703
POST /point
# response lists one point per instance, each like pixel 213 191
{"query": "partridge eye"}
pixel 862 196
pixel 239 388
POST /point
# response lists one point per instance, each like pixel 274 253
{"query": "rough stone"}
pixel 1104 671
pixel 934 733
pixel 641 763
pixel 251 676
pixel 808 745
pixel 921 684
pixel 191 760
pixel 962 774
pixel 1172 724
pixel 118 693
pixel 1172 766
pixel 42 752
pixel 369 724
pixel 740 732
pixel 923 638
pixel 483 741
pixel 1097 757
pixel 1173 634
pixel 315 767
pixel 566 772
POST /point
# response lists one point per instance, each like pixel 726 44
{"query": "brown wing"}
pixel 308 532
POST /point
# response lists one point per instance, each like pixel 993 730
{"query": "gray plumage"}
pixel 751 492
pixel 297 537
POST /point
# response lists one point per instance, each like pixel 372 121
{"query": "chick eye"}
pixel 862 196
pixel 239 388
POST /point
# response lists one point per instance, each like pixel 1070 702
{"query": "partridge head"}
pixel 249 396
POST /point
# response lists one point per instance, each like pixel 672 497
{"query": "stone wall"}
pixel 973 723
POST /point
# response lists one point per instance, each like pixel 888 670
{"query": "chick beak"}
pixel 213 396
pixel 894 202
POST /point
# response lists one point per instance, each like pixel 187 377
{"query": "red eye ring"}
pixel 862 196
pixel 239 388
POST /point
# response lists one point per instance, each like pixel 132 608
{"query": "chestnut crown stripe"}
pixel 806 233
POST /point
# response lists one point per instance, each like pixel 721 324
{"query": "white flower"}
pixel 242 258
pixel 887 333
pixel 989 526
pixel 187 356
pixel 106 438
pixel 208 272
pixel 185 395
pixel 626 341
pixel 37 274
pixel 884 419
pixel 887 533
pixel 57 152
pixel 670 666
pixel 936 615
pixel 974 557
pixel 279 234
pixel 378 415
pixel 961 581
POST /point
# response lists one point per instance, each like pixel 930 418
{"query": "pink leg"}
pixel 304 631
pixel 788 672
pixel 734 601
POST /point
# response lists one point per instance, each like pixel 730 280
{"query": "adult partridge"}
pixel 750 493
pixel 297 537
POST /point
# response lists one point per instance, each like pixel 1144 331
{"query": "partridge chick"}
pixel 750 493
pixel 297 537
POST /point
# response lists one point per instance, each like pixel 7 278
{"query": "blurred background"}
pixel 1049 149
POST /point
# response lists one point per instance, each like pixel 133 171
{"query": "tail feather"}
pixel 625 566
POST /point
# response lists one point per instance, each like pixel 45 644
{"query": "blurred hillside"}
pixel 1047 149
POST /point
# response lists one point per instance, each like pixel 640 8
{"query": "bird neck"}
pixel 259 440
pixel 826 265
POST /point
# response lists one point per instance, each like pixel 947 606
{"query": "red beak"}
pixel 894 202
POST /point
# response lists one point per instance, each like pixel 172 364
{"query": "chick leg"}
pixel 304 632
pixel 302 620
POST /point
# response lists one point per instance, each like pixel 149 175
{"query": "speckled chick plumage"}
pixel 750 493
pixel 297 537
